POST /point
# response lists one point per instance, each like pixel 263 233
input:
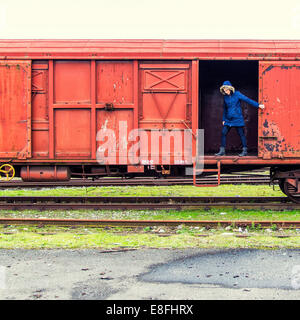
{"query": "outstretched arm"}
pixel 248 100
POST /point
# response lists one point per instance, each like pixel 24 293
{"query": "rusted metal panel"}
pixel 40 118
pixel 279 134
pixel 51 108
pixel 116 126
pixel 15 109
pixel 136 169
pixel 165 103
pixel 164 95
pixel 115 82
pixel 72 131
pixel 72 82
pixel 85 96
pixel 115 109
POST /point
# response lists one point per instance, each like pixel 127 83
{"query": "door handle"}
pixel 109 106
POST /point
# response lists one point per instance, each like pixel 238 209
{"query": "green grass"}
pixel 222 190
pixel 79 238
pixel 213 214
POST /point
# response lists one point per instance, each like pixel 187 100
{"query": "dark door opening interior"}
pixel 244 77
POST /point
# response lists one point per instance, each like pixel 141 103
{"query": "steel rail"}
pixel 117 203
pixel 255 179
pixel 136 199
pixel 147 223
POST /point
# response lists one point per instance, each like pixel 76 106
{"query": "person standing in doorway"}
pixel 233 116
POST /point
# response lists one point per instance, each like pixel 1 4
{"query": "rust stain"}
pixel 284 67
pixel 265 133
pixel 269 146
pixel 278 145
pixel 268 69
pixel 266 124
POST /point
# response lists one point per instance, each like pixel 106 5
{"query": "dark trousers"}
pixel 240 131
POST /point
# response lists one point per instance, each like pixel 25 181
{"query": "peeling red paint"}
pixel 278 132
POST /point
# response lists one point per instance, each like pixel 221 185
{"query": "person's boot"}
pixel 221 152
pixel 244 152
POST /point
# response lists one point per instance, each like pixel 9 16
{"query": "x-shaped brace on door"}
pixel 164 79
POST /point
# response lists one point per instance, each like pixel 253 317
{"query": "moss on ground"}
pixel 118 238
pixel 212 214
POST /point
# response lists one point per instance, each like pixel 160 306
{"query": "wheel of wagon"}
pixel 7 172
pixel 290 190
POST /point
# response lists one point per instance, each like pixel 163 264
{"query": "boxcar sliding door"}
pixel 279 125
pixel 166 108
pixel 116 105
pixel 15 109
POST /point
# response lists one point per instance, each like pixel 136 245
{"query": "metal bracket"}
pixel 109 106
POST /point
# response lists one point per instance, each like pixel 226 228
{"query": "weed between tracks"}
pixel 123 239
pixel 242 190
pixel 212 214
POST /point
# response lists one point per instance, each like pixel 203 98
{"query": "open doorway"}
pixel 244 77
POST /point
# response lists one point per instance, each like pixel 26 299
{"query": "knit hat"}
pixel 226 85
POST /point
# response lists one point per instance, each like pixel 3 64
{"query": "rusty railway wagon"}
pixel 56 95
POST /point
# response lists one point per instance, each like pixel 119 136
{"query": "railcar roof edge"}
pixel 144 48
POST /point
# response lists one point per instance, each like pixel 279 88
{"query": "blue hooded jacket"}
pixel 232 112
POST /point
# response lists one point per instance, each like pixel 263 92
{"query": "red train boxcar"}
pixel 72 108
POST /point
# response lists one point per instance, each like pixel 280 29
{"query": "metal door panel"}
pixel 40 113
pixel 72 133
pixel 114 125
pixel 279 129
pixel 15 109
pixel 165 98
pixel 115 82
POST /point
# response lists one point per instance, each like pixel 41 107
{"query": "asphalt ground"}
pixel 150 274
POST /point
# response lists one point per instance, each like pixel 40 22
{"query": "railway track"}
pixel 147 223
pixel 122 203
pixel 113 203
pixel 228 179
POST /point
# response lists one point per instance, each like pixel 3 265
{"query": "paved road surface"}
pixel 150 274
